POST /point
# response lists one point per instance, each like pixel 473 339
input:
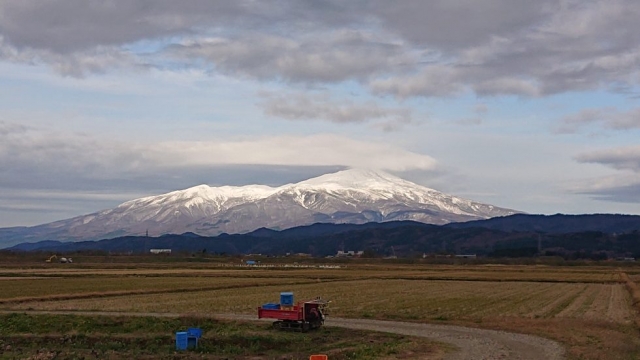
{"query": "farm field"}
pixel 588 309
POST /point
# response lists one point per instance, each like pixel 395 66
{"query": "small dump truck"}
pixel 301 316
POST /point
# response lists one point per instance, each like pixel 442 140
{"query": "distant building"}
pixel 160 251
pixel 468 256
pixel 349 253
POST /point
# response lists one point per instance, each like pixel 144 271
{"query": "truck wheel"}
pixel 305 326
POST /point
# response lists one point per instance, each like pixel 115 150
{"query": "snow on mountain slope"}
pixel 198 201
pixel 366 187
pixel 349 196
pixel 357 179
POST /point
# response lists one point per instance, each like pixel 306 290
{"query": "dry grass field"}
pixel 589 309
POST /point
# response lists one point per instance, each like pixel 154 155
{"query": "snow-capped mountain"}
pixel 349 196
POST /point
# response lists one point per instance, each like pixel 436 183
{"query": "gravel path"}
pixel 471 343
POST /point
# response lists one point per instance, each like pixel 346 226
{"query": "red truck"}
pixel 302 316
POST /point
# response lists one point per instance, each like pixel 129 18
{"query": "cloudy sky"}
pixel 530 105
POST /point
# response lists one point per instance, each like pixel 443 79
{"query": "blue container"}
pixel 182 341
pixel 286 299
pixel 195 332
pixel 192 342
pixel 271 306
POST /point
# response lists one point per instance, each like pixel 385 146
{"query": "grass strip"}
pixel 77 336
pixel 115 293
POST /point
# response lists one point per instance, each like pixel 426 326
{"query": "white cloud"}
pixel 48 155
pixel 313 150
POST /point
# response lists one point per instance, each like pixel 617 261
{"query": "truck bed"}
pixel 279 314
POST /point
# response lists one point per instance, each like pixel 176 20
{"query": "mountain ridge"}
pixel 350 196
pixel 609 236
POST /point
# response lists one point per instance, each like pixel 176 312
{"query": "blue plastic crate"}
pixel 195 332
pixel 271 306
pixel 182 340
pixel 286 299
pixel 192 342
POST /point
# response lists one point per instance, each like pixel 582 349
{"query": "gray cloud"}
pixel 406 49
pixel 328 57
pixel 96 61
pixel 65 26
pixel 624 193
pixel 454 25
pixel 12 129
pixel 569 48
pixel 78 64
pixel 625 158
pixel 481 109
pixel 470 121
pixel 623 187
pixel 320 106
pixel 606 117
pixel 571 123
pixel 435 80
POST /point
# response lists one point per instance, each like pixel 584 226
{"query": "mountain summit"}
pixel 348 196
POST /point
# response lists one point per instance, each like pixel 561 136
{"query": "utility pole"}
pixel 539 244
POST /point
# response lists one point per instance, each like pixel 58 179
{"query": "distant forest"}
pixel 604 237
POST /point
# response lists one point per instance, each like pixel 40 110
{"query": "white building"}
pixel 160 251
pixel 349 253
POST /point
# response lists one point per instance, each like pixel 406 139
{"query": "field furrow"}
pixel 615 309
pixel 395 299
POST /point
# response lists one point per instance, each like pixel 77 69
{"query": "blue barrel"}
pixel 286 298
pixel 182 340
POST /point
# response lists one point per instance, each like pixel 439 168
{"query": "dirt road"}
pixel 471 343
